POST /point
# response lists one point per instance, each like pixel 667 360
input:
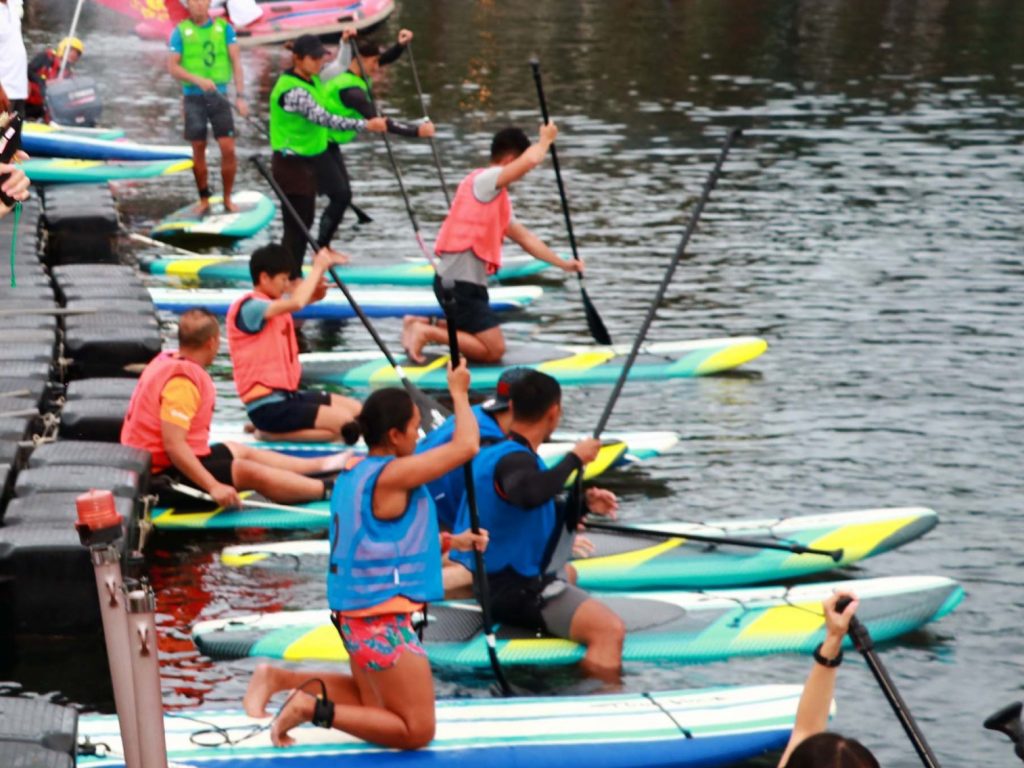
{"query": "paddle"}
pixel 433 413
pixel 394 163
pixel 796 549
pixel 1007 720
pixel 861 639
pixel 71 33
pixel 594 322
pixel 423 108
pixel 195 493
pixel 479 568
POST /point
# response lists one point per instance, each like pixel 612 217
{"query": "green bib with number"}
pixel 334 104
pixel 291 132
pixel 204 50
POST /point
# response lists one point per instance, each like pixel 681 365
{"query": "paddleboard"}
pixel 255 211
pixel 625 561
pixel 103 134
pixel 60 170
pixel 316 514
pixel 39 139
pixel 571 365
pixel 375 303
pixel 640 446
pixel 686 627
pixel 691 729
pixel 227 270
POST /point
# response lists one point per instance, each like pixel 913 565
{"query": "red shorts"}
pixel 377 642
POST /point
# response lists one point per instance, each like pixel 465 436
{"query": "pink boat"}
pixel 283 21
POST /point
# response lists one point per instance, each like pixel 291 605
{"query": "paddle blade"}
pixel 362 217
pixel 432 413
pixel 594 322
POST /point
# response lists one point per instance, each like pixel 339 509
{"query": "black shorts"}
pixel 473 313
pixel 546 603
pixel 218 463
pixel 297 411
pixel 212 108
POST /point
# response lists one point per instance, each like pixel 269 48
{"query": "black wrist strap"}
pixel 830 663
pixel 323 712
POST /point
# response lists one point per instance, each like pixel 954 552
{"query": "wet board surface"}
pixel 255 211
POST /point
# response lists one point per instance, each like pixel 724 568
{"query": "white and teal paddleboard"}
pixel 668 729
pixel 234 270
pixel 634 558
pixel 577 365
pixel 374 302
pixel 62 170
pixel 255 211
pixel 686 627
pixel 49 140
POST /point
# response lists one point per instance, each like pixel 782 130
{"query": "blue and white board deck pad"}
pixel 682 729
pixel 625 561
pixel 683 627
pixel 255 211
pixel 395 302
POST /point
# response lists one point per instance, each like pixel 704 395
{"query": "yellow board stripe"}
pixel 733 356
pixel 578 362
pixel 188 267
pixel 785 620
pixel 183 165
pixel 387 375
pixel 241 560
pixel 857 540
pixel 322 643
pixel 627 560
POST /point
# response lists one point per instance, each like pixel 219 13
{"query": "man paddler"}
pixel 264 353
pixel 469 248
pixel 348 94
pixel 44 68
pixel 204 56
pixel 169 415
pixel 298 136
pixel 531 531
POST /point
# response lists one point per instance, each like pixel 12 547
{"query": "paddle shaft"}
pixel 423 108
pixel 183 251
pixel 480 582
pixel 431 407
pixel 394 163
pixel 594 321
pixel 861 638
pixel 798 549
pixel 71 33
pixel 195 493
pixel 663 288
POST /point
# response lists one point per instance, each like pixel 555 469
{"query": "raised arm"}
pixel 816 700
pixel 530 159
pixel 408 472
pixel 303 293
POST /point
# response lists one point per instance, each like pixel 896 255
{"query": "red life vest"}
pixel 48 72
pixel 141 428
pixel 266 360
pixel 472 225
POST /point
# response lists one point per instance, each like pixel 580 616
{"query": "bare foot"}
pixel 249 428
pixel 202 207
pixel 416 339
pixel 297 711
pixel 409 323
pixel 229 206
pixel 338 256
pixel 335 462
pixel 262 685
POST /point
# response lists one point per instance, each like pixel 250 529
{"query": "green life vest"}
pixel 204 50
pixel 334 104
pixel 291 132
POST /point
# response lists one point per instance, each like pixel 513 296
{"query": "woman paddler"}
pixel 385 563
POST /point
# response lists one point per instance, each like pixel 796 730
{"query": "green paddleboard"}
pixel 255 211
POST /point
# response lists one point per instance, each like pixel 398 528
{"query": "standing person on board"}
pixel 348 94
pixel 169 415
pixel 469 247
pixel 532 533
pixel 204 56
pixel 810 745
pixel 44 67
pixel 13 57
pixel 298 135
pixel 385 563
pixel 264 353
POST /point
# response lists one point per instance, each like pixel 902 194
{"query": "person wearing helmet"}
pixel 45 66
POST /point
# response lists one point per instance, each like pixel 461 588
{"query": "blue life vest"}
pixel 449 489
pixel 373 560
pixel 520 538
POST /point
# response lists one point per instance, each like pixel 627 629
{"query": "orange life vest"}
pixel 472 225
pixel 48 72
pixel 263 361
pixel 141 428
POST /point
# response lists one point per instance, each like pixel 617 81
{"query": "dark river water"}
pixel 869 225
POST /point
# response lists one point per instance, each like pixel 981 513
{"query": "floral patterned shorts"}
pixel 377 642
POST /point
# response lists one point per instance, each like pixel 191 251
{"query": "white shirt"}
pixel 13 57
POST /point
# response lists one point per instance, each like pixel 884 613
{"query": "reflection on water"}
pixel 868 225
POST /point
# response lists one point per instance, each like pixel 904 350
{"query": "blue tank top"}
pixel 519 538
pixel 449 489
pixel 373 560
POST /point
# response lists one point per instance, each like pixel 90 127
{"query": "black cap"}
pixel 308 45
pixel 502 394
